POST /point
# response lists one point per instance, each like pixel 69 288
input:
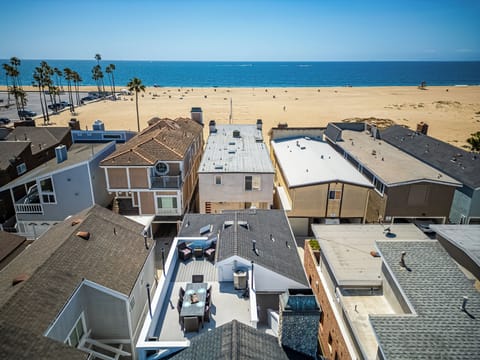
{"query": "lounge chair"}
pixel 206 314
pixel 181 293
pixel 184 252
pixel 191 323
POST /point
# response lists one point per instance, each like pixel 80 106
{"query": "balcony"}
pixel 29 208
pixel 168 211
pixel 166 182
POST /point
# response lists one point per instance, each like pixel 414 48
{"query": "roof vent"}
pixel 84 235
pixel 254 247
pixel 244 224
pixel 236 133
pixel 19 279
pixel 402 259
pixel 227 224
pixel 464 303
pixel 206 229
pixel 272 238
pixel 76 222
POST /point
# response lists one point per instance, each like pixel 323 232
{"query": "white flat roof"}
pixel 308 161
pixel 347 249
pixel 245 153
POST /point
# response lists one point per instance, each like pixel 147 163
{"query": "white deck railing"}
pixel 29 208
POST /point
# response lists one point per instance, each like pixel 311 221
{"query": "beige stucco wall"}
pixel 309 201
pixel 354 201
pixel 233 190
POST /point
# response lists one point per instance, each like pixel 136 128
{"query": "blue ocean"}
pixel 269 74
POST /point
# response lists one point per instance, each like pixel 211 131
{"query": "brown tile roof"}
pixel 46 136
pixel 59 260
pixel 165 139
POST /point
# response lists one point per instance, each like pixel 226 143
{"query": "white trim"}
pixel 106 290
pixel 106 178
pixel 91 184
pixel 84 326
pixel 41 192
pixel 149 177
pixel 128 178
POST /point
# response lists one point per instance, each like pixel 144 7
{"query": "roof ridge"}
pixel 168 147
pixel 235 352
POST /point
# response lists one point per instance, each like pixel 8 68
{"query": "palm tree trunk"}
pixel 138 116
pixel 41 103
pixel 45 104
pixel 113 84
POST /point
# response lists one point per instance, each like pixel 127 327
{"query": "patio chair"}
pixel 210 253
pixel 184 252
pixel 197 278
pixel 179 309
pixel 191 323
pixel 206 314
pixel 181 293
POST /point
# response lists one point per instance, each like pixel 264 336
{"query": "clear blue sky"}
pixel 233 30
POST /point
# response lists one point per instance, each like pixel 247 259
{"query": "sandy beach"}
pixel 452 113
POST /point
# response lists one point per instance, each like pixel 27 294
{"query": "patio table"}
pixel 194 300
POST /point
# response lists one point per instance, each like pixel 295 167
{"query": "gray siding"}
pixel 139 293
pixel 99 182
pixel 107 315
pixel 72 192
pixel 460 206
pixel 475 205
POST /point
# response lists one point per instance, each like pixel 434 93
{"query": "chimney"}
pixel 299 315
pixel 212 126
pixel 98 125
pixel 197 115
pixel 259 124
pixel 61 153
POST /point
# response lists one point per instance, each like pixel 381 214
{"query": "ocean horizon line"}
pixel 268 73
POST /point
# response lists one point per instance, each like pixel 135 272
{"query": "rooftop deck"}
pixel 227 303
pixel 162 333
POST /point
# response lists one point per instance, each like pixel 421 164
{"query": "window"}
pixel 218 180
pixel 46 190
pixel 167 202
pixel 334 195
pixel 252 182
pixel 161 169
pixel 379 186
pixel 22 168
pixel 77 332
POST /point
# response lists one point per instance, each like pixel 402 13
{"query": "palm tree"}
pixel 136 85
pixel 76 81
pixel 58 78
pixel 96 70
pixel 474 141
pixel 69 77
pixel 6 68
pixel 98 57
pixel 109 70
pixel 40 80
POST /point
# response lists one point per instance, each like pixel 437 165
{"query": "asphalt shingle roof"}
pixel 165 139
pixel 11 150
pixel 237 240
pixel 434 286
pixel 462 165
pixel 40 137
pixel 234 341
pixel 59 260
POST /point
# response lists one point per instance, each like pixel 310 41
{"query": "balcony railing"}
pixel 166 182
pixel 168 211
pixel 29 208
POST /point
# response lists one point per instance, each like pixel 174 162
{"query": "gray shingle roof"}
pixel 234 341
pixel 11 150
pixel 237 240
pixel 77 154
pixel 46 136
pixel 434 287
pixel 457 163
pixel 58 262
pixel 8 243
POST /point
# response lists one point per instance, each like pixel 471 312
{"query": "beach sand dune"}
pixel 452 113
